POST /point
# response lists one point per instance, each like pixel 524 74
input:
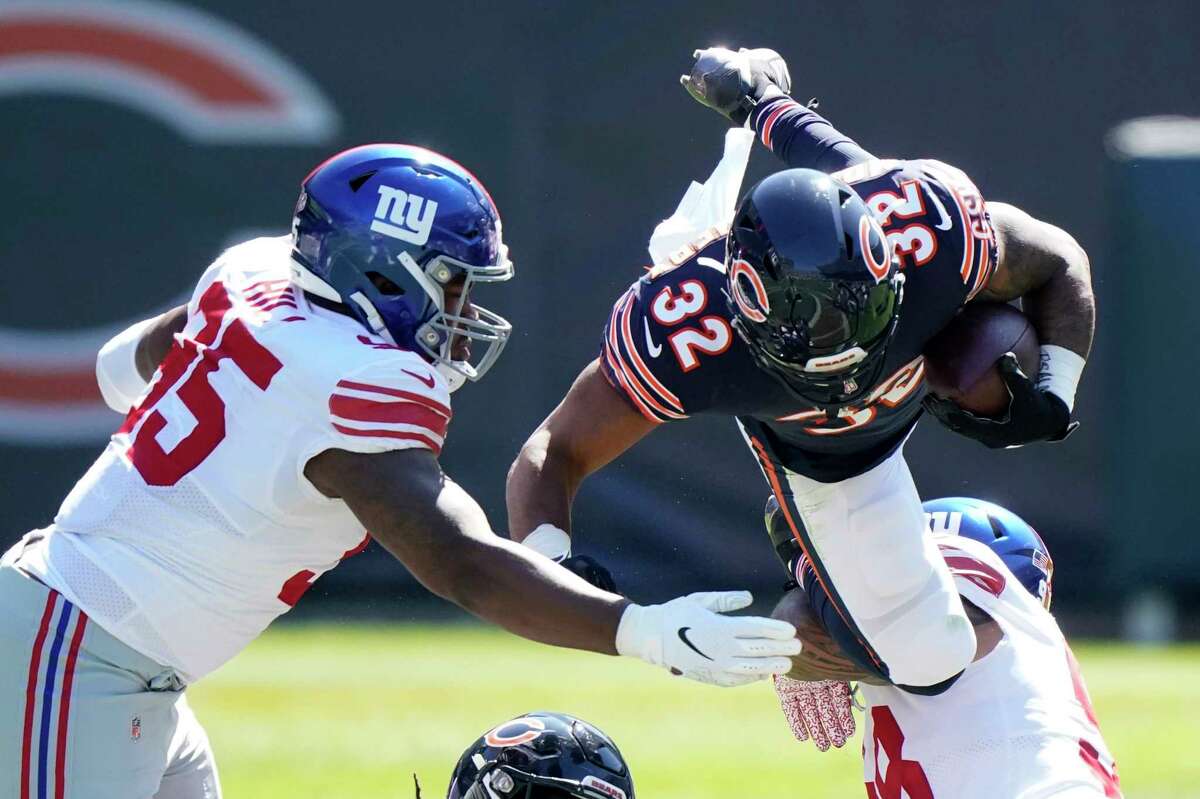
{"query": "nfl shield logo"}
pixel 849 386
pixel 135 728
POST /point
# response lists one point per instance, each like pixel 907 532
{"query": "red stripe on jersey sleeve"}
pixel 420 399
pixel 620 383
pixel 398 434
pixel 675 408
pixel 627 381
pixel 772 118
pixel 365 410
pixel 640 392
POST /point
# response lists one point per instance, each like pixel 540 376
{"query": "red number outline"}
pixel 689 292
pixel 709 334
pixel 203 356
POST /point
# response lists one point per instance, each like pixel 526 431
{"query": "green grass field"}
pixel 352 711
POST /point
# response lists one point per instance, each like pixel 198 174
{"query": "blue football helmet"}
pixel 542 755
pixel 1005 533
pixel 382 229
pixel 814 286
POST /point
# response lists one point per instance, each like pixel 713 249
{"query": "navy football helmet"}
pixel 383 229
pixel 542 755
pixel 1004 532
pixel 814 286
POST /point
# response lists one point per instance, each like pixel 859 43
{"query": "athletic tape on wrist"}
pixel 549 540
pixel 116 368
pixel 1059 373
pixel 633 640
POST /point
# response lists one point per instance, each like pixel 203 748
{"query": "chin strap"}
pixel 455 379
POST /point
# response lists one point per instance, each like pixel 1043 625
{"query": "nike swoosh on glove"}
pixel 690 637
pixel 821 710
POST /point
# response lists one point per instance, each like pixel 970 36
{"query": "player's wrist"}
pixel 549 540
pixel 1060 372
pixel 638 634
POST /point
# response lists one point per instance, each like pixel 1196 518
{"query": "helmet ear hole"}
pixel 357 183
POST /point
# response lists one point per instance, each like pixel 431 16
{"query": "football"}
pixel 960 361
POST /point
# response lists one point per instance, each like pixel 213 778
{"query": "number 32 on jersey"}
pixel 708 335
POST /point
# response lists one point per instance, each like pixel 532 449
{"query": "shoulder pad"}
pixel 393 402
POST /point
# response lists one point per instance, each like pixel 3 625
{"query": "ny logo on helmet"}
pixel 404 216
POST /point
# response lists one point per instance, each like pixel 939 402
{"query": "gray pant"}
pixel 84 716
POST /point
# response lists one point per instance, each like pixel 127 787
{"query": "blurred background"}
pixel 143 137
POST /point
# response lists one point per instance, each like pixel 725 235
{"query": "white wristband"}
pixel 116 368
pixel 549 540
pixel 635 634
pixel 1059 373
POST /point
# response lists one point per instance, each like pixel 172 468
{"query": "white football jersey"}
pixel 1018 724
pixel 196 527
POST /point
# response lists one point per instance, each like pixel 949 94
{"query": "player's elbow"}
pixel 1067 256
pixel 544 471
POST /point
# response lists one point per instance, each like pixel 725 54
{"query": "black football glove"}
pixel 732 84
pixel 1033 414
pixel 590 569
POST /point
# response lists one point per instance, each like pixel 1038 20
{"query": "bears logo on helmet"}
pixel 825 299
pixel 541 755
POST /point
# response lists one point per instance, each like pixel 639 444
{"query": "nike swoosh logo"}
pixel 655 350
pixel 426 379
pixel 945 224
pixel 682 632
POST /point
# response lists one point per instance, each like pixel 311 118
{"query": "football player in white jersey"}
pixel 300 398
pixel 1017 725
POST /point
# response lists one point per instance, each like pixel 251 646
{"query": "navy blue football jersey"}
pixel 670 350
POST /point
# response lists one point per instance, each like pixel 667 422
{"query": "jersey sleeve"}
pixel 964 226
pixel 801 137
pixel 389 404
pixel 626 357
pixel 668 341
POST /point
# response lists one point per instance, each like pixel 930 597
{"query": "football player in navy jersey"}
pixel 805 320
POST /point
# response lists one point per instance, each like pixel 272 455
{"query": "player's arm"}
pixel 815 695
pixel 1046 269
pixel 129 359
pixel 1049 272
pixel 590 427
pixel 823 659
pixel 751 87
pixel 442 536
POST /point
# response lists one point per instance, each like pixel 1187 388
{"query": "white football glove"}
pixel 689 636
pixel 817 710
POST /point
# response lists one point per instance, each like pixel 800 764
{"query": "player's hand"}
pixel 821 711
pixel 690 637
pixel 732 84
pixel 591 570
pixel 1034 414
pixel 554 543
